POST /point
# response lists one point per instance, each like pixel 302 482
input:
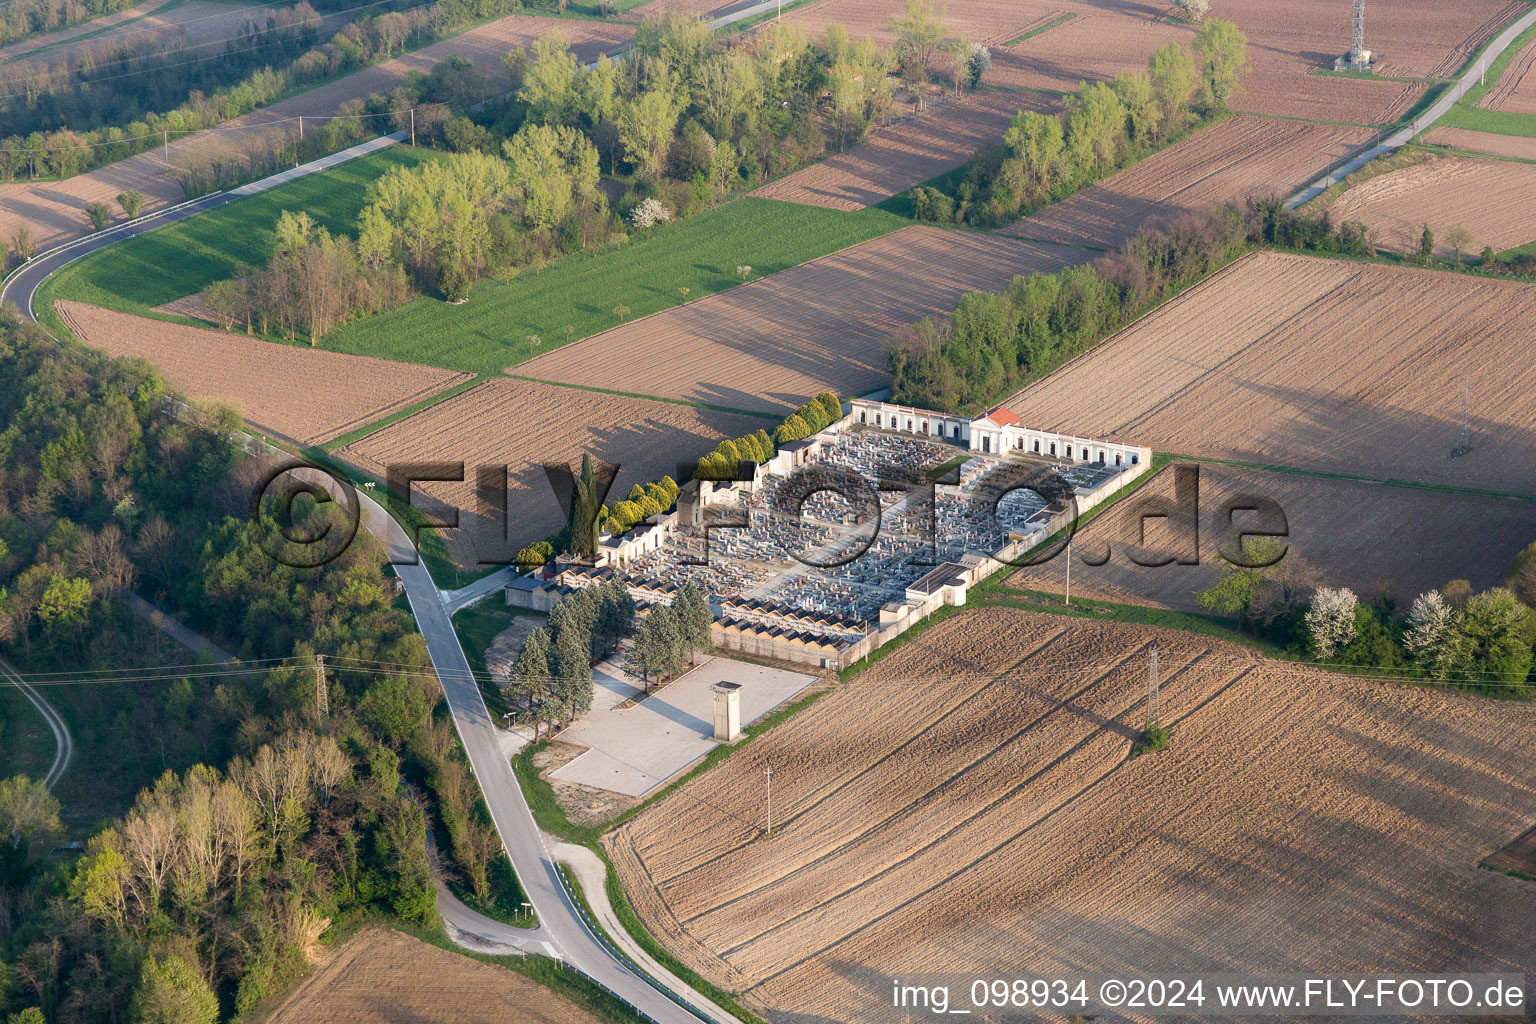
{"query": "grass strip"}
pixel 1058 20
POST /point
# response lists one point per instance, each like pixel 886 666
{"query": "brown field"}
pixel 303 395
pixel 772 343
pixel 1494 199
pixel 696 8
pixel 1484 142
pixel 55 210
pixel 523 425
pixel 1515 91
pixel 1370 538
pixel 983 21
pixel 89 27
pixel 194 23
pixel 968 806
pixel 1097 43
pixel 384 977
pixel 1519 855
pixel 896 158
pixel 1411 38
pixel 1318 364
pixel 1225 162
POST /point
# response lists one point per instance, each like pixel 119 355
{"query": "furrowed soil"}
pixel 54 211
pixel 1241 156
pixel 1411 39
pixel 1494 199
pixel 523 426
pixel 303 395
pixel 1516 146
pixel 1341 533
pixel 1319 364
pixel 384 977
pixel 895 158
pixel 198 23
pixel 1515 91
pixel 770 344
pixel 969 805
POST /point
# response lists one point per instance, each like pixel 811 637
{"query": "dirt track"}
pixel 896 158
pixel 384 977
pixel 522 426
pixel 1218 164
pixel 55 211
pixel 1494 199
pixel 303 395
pixel 770 344
pixel 1319 364
pixel 967 807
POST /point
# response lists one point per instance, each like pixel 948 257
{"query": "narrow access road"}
pixel 64 743
pixel 1421 123
pixel 21 287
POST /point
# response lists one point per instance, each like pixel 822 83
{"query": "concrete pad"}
pixel 636 749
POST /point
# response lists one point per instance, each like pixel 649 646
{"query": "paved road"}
pixel 25 280
pixel 1422 123
pixel 64 743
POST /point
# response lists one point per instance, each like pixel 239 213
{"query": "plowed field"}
pixel 896 158
pixel 1348 534
pixel 1224 162
pixel 968 806
pixel 1494 199
pixel 1484 142
pixel 383 977
pixel 303 395
pixel 1319 364
pixel 774 342
pixel 55 210
pixel 522 426
pixel 1098 42
pixel 982 21
pixel 1515 91
pixel 1411 39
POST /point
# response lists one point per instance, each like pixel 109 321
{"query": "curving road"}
pixel 64 743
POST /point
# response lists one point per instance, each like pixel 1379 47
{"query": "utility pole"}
pixel 322 700
pixel 768 772
pixel 1154 696
pixel 413 126
pixel 165 139
pixel 1069 571
pixel 301 127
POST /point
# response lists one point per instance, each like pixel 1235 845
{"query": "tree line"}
pixel 996 342
pixel 117 81
pixel 64 152
pixel 258 821
pixel 22 18
pixel 1104 126
pixel 1473 640
pixel 552 675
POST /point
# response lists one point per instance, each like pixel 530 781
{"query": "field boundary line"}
pixel 722 291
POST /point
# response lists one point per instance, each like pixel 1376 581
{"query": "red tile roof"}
pixel 1004 417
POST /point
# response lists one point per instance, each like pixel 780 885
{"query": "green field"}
pixel 488 333
pixel 139 273
pixel 1467 114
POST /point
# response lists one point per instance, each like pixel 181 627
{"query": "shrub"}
pixel 1331 620
pixel 648 213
